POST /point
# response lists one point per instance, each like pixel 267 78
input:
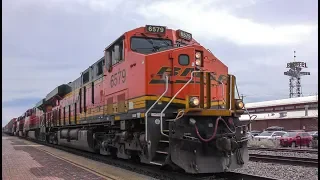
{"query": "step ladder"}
pixel 162 152
pixel 163 146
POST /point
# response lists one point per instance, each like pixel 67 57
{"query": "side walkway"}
pixel 25 160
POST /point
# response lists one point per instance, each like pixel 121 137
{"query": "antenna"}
pixel 294 72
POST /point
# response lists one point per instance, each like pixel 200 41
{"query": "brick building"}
pixel 292 114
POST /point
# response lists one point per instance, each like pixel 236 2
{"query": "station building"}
pixel 299 113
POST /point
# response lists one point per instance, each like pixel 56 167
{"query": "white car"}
pixel 270 135
pixel 249 135
pixel 313 133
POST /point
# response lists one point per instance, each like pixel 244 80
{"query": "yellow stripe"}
pixel 138 103
pixel 154 98
pixel 69 94
pixel 215 103
pixel 208 112
pixel 87 85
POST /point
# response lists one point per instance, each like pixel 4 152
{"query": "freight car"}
pixel 156 95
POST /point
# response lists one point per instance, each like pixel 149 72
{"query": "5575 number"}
pixel 118 78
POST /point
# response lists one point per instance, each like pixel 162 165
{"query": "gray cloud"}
pixel 281 12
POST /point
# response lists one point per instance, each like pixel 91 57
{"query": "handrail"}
pixel 230 95
pixel 221 83
pixel 146 114
pixel 161 124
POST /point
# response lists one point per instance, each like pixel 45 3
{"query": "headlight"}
pixel 198 62
pixel 239 104
pixel 194 101
pixel 198 55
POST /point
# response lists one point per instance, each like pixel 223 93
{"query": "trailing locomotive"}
pixel 156 95
pixel 10 128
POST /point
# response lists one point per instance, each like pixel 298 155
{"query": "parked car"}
pixel 249 135
pixel 295 139
pixel 270 135
pixel 313 133
pixel 255 133
pixel 315 136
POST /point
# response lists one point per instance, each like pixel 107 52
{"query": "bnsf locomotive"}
pixel 156 95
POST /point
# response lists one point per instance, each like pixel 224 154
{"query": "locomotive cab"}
pixel 31 124
pixel 191 109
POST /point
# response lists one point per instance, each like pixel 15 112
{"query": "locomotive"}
pixel 156 95
pixel 10 128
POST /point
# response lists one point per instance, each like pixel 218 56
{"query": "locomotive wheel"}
pixel 113 152
pixel 135 158
pixel 55 138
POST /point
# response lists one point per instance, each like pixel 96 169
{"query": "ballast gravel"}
pixel 279 171
pixel 287 154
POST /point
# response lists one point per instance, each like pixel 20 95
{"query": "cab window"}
pixel 100 67
pixel 184 59
pixel 148 45
pixel 114 54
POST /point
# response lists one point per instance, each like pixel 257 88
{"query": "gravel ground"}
pixel 278 171
pixel 288 154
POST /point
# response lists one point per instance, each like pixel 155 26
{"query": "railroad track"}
pixel 311 151
pixel 153 171
pixel 284 160
pixel 239 176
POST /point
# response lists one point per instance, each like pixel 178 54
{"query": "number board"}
pixel 184 35
pixel 156 29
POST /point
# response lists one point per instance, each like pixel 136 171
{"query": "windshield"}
pixel 146 45
pixel 290 134
pixel 265 133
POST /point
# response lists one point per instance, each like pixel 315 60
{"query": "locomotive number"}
pixel 118 78
pixel 155 29
pixel 185 35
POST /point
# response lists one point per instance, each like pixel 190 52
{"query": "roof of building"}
pixel 282 115
pixel 298 100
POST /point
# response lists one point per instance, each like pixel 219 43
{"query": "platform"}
pixel 22 159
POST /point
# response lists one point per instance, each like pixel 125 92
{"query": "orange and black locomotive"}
pixel 156 95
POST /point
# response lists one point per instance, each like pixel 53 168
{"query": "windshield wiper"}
pixel 168 44
pixel 154 48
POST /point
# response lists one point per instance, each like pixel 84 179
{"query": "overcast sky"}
pixel 48 43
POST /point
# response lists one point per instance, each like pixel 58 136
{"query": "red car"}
pixel 295 139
